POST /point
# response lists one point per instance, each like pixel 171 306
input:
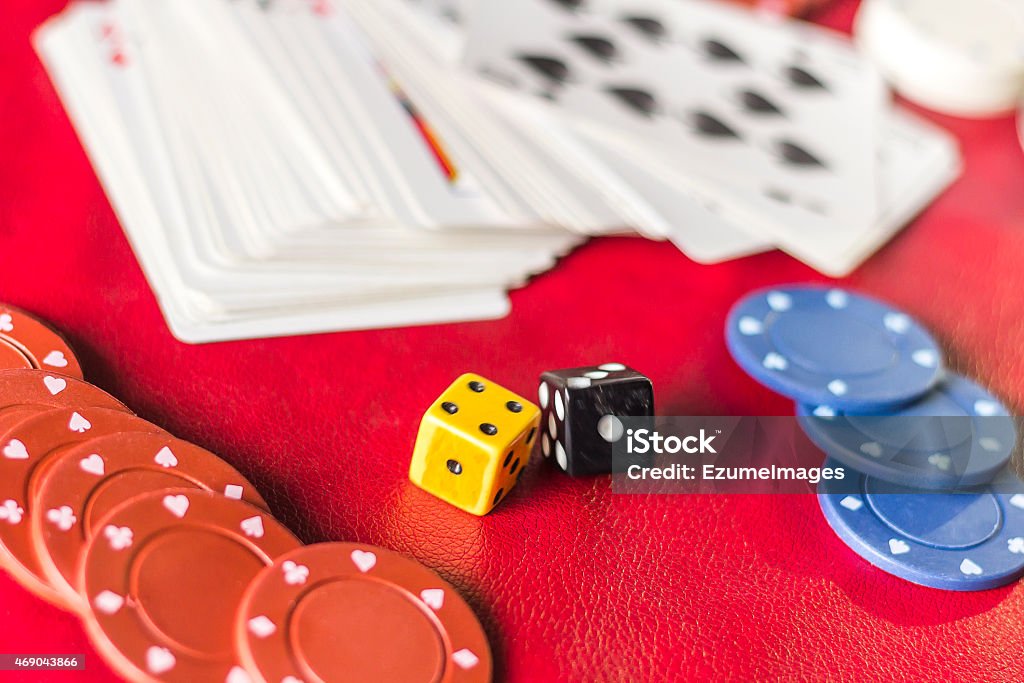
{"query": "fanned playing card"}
pixel 292 166
pixel 782 129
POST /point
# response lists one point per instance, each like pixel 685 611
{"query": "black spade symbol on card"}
pixel 802 78
pixel 639 100
pixel 720 52
pixel 757 103
pixel 551 68
pixel 597 46
pixel 796 155
pixel 568 5
pixel 648 27
pixel 710 126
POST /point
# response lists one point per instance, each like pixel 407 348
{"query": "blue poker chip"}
pixel 957 435
pixel 831 347
pixel 954 541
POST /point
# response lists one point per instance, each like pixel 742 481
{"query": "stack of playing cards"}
pixel 292 166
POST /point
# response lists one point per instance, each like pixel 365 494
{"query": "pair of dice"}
pixel 476 439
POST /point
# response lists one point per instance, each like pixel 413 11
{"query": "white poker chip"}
pixel 959 57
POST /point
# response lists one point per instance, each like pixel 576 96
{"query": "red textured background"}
pixel 572 583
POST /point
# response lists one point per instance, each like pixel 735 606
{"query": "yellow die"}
pixel 473 444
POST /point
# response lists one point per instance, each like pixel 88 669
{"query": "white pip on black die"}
pixel 580 411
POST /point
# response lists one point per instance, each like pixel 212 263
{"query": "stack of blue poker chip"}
pixel 956 435
pixel 964 540
pixel 928 494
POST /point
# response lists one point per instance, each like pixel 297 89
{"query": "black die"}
pixel 580 410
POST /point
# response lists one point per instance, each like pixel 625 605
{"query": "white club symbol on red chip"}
pixel 120 537
pixel 63 517
pixel 11 512
pixel 295 574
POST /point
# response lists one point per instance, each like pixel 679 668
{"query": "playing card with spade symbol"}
pixel 781 126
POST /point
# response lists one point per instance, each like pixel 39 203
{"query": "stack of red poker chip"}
pixel 173 562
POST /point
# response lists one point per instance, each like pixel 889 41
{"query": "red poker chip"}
pixel 26 392
pixel 12 357
pixel 88 481
pixel 345 611
pixel 164 577
pixel 38 345
pixel 26 451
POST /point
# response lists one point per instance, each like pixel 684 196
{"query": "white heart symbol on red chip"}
pixel 55 385
pixel 93 465
pixel 364 560
pixel 55 359
pixel 177 505
pixel 15 450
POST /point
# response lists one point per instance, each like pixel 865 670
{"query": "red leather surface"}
pixel 573 583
